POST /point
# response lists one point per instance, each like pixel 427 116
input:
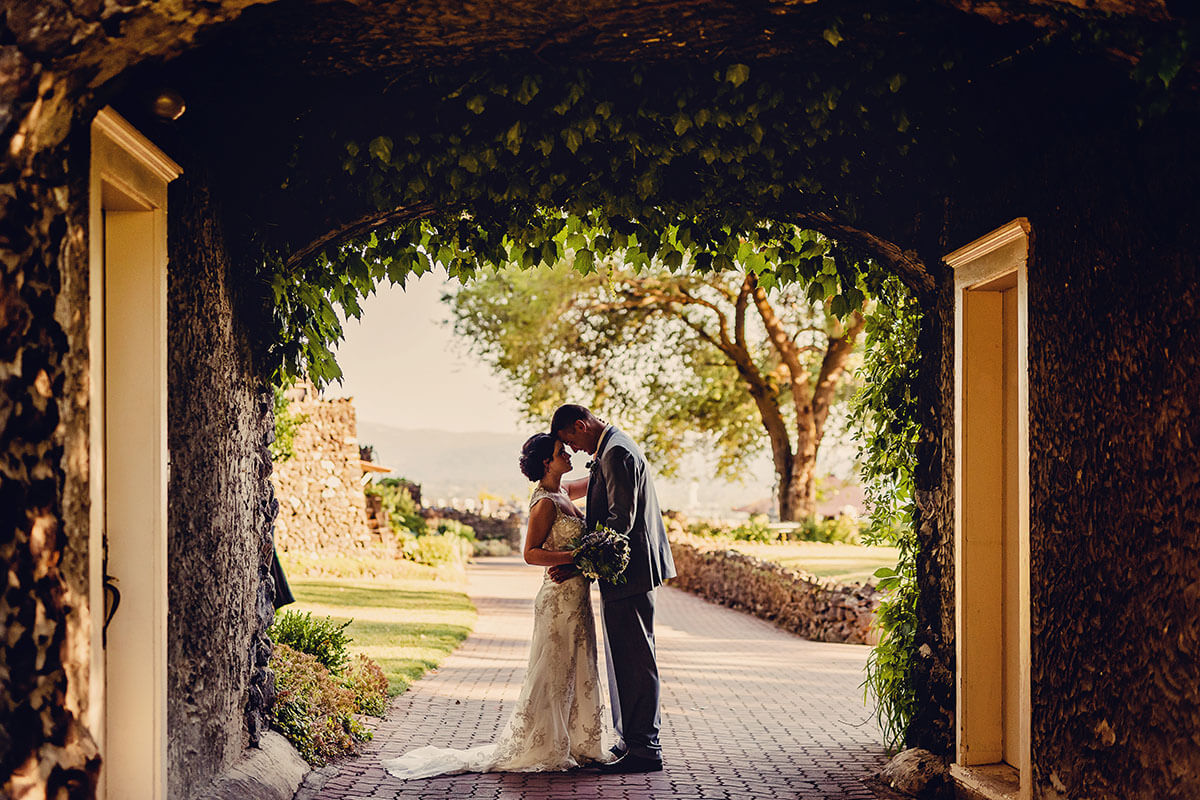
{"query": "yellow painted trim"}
pixel 127 337
pixel 1004 251
pixel 117 129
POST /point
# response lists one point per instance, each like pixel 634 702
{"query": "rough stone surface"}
pixel 915 771
pixel 1114 376
pixel 817 609
pixel 45 619
pixel 272 771
pixel 322 508
pixel 219 534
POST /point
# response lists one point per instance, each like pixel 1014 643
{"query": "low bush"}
pixel 403 512
pixel 366 681
pixel 756 529
pixel 456 528
pixel 438 549
pixel 313 710
pixel 323 639
pixel 365 565
pixel 834 529
pixel 492 547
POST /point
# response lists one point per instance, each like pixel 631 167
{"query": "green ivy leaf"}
pixel 584 261
pixel 381 148
pixel 737 74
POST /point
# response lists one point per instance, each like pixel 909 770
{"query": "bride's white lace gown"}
pixel 560 720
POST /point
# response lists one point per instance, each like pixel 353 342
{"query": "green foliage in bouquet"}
pixel 601 554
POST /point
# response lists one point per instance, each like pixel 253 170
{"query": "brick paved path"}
pixel 749 711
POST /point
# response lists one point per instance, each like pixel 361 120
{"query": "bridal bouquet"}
pixel 602 554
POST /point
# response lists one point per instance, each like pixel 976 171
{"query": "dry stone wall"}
pixel 508 527
pixel 821 610
pixel 322 508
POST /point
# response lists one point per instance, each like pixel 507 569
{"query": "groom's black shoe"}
pixel 629 764
pixel 617 750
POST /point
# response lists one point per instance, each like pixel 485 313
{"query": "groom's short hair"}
pixel 567 415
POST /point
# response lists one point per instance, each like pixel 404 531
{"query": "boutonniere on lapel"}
pixel 591 465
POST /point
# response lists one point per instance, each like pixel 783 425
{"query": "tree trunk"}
pixel 808 441
pixel 792 493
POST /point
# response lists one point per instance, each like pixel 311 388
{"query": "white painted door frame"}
pixel 989 274
pixel 127 709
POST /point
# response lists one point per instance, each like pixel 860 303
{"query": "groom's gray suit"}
pixel 621 496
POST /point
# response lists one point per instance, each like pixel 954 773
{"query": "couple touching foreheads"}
pixel 559 721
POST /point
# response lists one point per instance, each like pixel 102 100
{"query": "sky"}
pixel 404 367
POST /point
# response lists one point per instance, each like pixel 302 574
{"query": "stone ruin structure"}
pixel 322 508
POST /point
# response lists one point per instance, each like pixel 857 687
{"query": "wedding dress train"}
pixel 559 721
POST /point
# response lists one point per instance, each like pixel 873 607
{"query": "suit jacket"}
pixel 621 496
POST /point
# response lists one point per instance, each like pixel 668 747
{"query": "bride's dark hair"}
pixel 537 450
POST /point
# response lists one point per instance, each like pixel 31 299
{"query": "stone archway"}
pixel 65 65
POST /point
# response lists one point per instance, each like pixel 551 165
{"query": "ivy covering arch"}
pixel 708 168
pixel 771 167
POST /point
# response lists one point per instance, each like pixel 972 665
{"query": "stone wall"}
pixel 509 528
pixel 45 614
pixel 817 609
pixel 322 508
pixel 1114 462
pixel 219 516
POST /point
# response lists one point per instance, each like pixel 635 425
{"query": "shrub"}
pixel 834 529
pixel 403 512
pixel 456 528
pixel 366 681
pixel 363 565
pixel 323 639
pixel 312 709
pixel 492 547
pixel 437 549
pixel 756 529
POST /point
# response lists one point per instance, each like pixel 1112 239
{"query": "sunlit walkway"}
pixel 749 711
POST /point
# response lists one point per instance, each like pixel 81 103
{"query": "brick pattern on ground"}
pixel 749 710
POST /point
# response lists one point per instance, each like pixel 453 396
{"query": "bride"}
pixel 559 722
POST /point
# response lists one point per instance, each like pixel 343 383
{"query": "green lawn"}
pixel 407 625
pixel 847 563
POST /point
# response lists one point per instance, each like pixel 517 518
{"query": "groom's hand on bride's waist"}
pixel 563 572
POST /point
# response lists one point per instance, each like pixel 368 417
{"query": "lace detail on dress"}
pixel 559 721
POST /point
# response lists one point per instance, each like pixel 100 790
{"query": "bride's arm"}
pixel 577 488
pixel 541 519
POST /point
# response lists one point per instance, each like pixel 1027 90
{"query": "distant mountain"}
pixel 450 464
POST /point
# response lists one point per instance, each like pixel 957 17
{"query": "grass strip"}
pixel 407 625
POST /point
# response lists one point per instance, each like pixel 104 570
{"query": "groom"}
pixel 621 496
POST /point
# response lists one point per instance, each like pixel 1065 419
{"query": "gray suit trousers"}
pixel 633 672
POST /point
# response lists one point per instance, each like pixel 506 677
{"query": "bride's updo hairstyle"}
pixel 537 450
